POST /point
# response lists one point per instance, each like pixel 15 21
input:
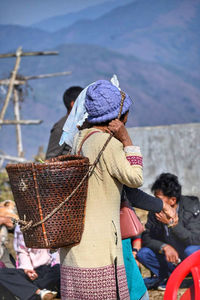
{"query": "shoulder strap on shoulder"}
pixel 84 139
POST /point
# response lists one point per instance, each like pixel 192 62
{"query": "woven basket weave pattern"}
pixel 39 188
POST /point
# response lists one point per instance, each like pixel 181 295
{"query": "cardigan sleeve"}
pixel 125 166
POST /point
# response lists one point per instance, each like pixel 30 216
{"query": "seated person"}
pixel 166 242
pixel 37 273
pixel 142 200
pixel 5 222
pixel 7 214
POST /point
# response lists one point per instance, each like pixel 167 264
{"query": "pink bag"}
pixel 129 222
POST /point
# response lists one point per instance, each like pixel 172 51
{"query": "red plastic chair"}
pixel 190 264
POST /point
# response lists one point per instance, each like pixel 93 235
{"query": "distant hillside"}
pixel 161 96
pixel 165 32
pixel 13 36
pixel 161 31
pixel 90 13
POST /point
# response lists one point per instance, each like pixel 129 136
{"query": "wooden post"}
pixel 13 158
pixel 11 83
pixel 18 126
pixel 47 75
pixel 22 122
pixel 29 53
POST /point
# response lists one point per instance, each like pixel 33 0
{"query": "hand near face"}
pixel 165 219
pixel 120 132
pixel 161 217
pixel 168 210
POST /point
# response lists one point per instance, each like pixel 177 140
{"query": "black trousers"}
pixel 19 284
pixel 6 294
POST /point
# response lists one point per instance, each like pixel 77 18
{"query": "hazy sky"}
pixel 27 12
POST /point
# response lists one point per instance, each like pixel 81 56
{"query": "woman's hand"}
pixel 120 132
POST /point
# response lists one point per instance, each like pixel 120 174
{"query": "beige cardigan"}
pixel 101 239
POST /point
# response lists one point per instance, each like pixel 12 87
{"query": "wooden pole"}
pixel 25 78
pixel 7 81
pixel 18 126
pixel 29 54
pixel 47 75
pixel 11 83
pixel 12 158
pixel 21 122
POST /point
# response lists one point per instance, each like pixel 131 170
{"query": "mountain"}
pixel 13 36
pixel 161 31
pixel 165 32
pixel 90 13
pixel 160 95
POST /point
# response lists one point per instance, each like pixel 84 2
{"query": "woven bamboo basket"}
pixel 38 188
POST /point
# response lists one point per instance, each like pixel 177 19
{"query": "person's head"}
pixel 167 188
pixel 103 101
pixel 70 95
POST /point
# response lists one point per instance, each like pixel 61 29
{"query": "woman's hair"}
pixel 168 184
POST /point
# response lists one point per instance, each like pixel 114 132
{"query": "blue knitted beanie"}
pixel 103 100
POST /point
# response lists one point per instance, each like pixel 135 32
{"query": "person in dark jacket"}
pixel 166 242
pixel 54 149
pixel 139 199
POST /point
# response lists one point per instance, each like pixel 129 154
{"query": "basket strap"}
pixel 84 139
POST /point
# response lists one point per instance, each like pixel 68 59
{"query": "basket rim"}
pixel 77 160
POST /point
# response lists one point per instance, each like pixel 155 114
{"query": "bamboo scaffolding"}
pixel 11 83
pixel 13 158
pixel 47 75
pixel 22 122
pixel 25 78
pixel 18 125
pixel 29 53
pixel 16 82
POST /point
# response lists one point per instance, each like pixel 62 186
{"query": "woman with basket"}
pixel 94 269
